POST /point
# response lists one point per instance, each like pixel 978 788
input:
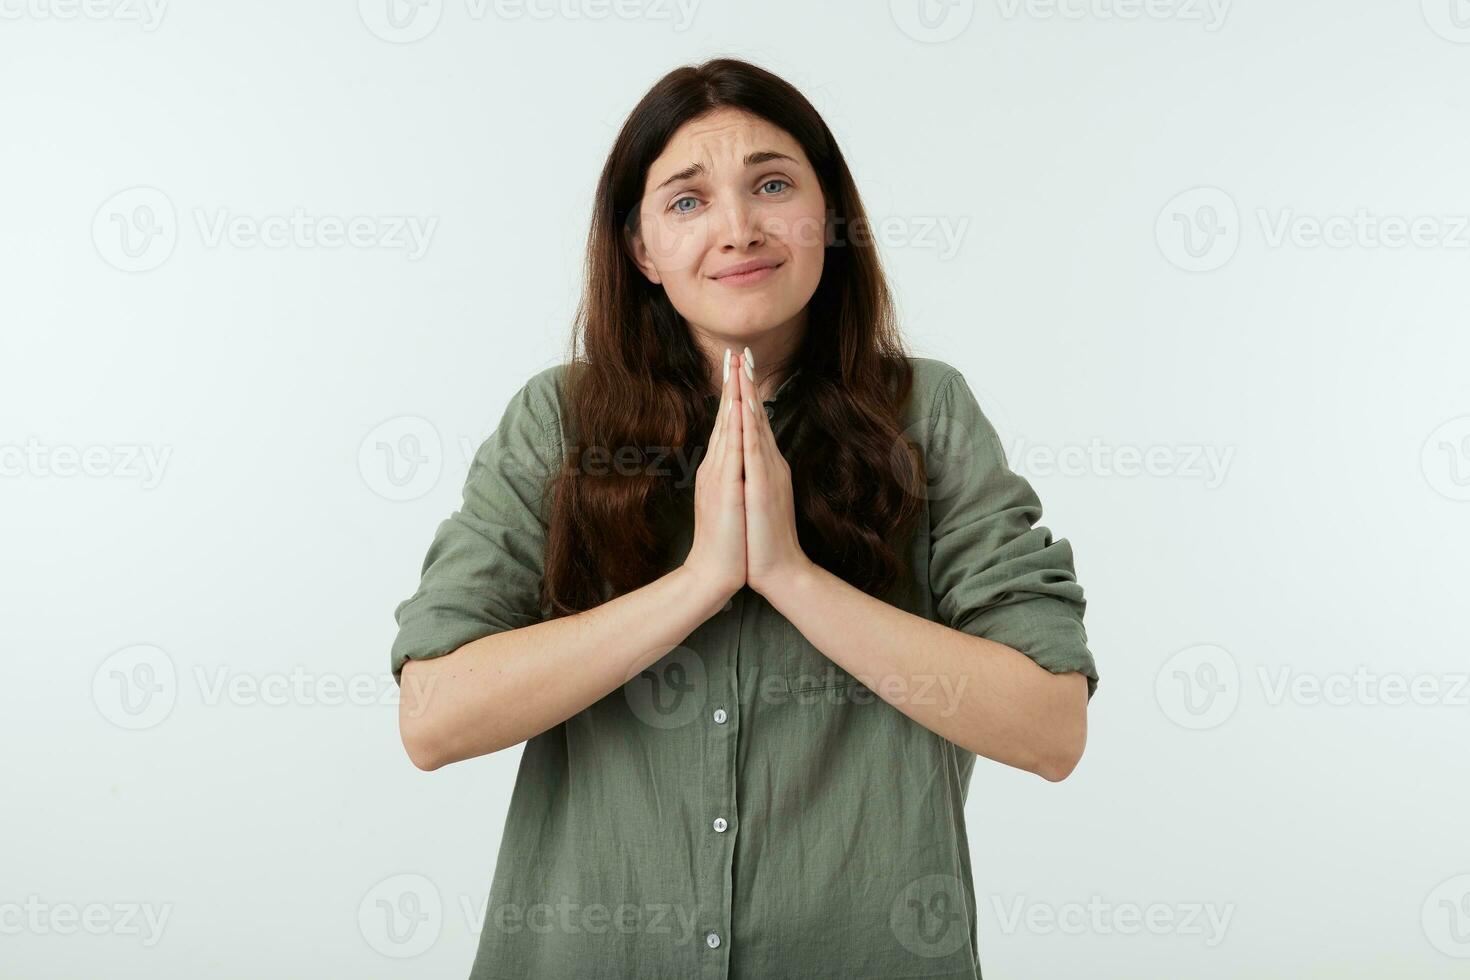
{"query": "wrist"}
pixel 708 596
pixel 789 580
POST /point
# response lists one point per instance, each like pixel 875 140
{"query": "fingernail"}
pixel 749 364
pixel 749 407
pixel 727 366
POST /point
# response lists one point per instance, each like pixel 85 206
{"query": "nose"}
pixel 738 225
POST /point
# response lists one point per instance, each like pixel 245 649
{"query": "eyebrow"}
pixel 751 159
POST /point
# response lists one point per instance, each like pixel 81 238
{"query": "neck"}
pixel 773 353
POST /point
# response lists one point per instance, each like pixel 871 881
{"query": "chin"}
pixel 754 317
pixel 749 326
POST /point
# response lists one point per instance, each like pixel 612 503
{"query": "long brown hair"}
pixel 636 382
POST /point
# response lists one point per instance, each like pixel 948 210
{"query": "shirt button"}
pixel 712 940
pixel 720 716
pixel 720 824
pixel 770 411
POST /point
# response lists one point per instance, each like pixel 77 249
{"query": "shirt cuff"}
pixel 1044 628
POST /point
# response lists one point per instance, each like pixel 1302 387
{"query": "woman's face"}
pixel 730 188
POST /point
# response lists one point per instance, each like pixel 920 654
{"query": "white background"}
pixel 1068 150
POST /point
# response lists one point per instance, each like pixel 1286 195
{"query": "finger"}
pixel 754 447
pixel 764 436
pixel 764 430
pixel 721 415
pixel 733 449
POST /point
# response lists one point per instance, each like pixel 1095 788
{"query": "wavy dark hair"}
pixel 636 380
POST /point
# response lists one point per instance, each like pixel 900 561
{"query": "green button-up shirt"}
pixel 745 808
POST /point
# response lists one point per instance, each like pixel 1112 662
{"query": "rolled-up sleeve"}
pixel 482 573
pixel 993 572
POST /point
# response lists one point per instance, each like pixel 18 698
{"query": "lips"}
pixel 744 267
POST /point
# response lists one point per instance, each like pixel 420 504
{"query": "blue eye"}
pixel 674 205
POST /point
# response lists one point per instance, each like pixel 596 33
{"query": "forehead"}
pixel 720 139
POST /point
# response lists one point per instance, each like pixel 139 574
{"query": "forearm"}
pixel 981 695
pixel 503 689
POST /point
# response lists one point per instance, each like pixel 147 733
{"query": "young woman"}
pixel 753 585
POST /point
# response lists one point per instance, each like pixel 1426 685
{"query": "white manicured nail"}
pixel 727 366
pixel 749 363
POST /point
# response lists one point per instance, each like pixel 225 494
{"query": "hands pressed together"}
pixel 744 509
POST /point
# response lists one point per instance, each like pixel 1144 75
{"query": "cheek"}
pixel 808 255
pixel 804 235
pixel 808 275
pixel 673 247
